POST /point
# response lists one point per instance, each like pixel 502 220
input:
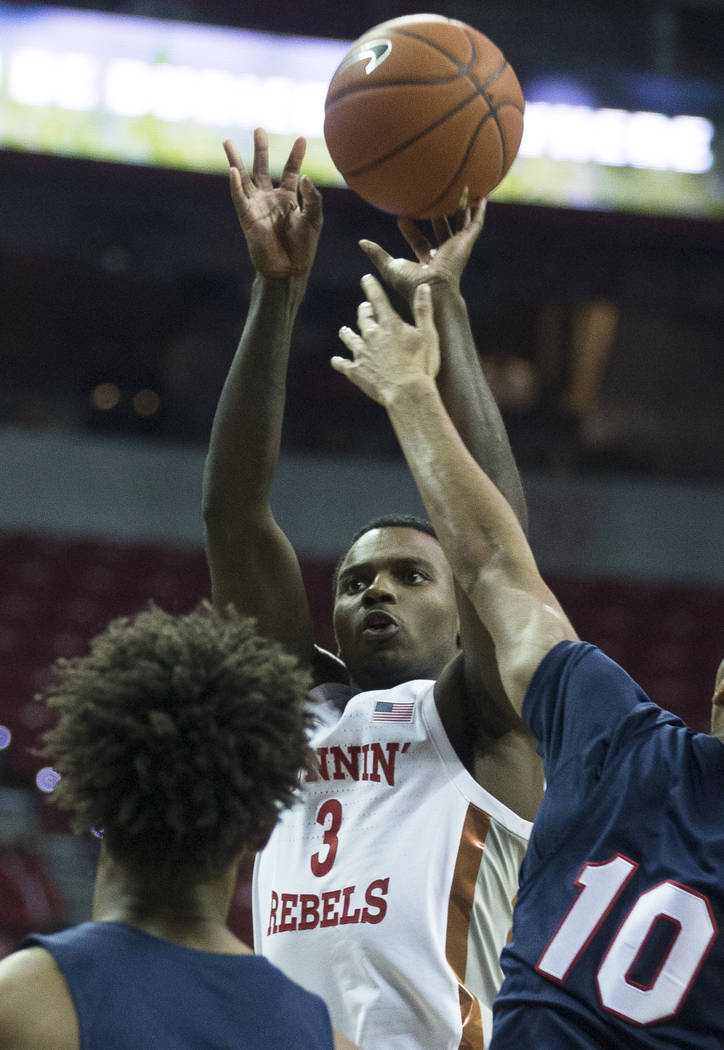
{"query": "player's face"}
pixel 395 616
pixel 717 710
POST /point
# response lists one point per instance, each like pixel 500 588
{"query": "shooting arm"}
pixel 252 563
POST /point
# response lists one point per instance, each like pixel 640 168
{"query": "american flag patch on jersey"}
pixel 393 711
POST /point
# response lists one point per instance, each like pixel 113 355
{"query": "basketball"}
pixel 419 108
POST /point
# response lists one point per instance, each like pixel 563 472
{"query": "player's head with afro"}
pixel 181 737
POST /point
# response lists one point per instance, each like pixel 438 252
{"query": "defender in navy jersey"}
pixel 617 930
pixel 181 738
pixel 617 940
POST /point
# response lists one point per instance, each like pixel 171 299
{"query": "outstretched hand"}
pixel 388 354
pixel 281 224
pixel 443 264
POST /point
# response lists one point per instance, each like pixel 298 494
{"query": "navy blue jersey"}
pixel 132 990
pixel 616 933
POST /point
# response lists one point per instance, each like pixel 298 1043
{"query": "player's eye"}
pixel 353 584
pixel 414 576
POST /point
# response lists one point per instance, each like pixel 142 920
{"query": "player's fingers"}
pixel 442 230
pixel 461 217
pixel 365 317
pixel 422 309
pixel 381 259
pixel 415 238
pixel 351 340
pixel 236 163
pixel 376 295
pixel 237 193
pixel 342 364
pixel 290 175
pixel 478 213
pixel 232 154
pixel 261 160
pixel 312 201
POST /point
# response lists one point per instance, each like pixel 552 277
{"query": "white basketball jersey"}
pixel 388 888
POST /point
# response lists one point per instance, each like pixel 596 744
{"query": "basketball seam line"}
pixel 431 127
pixel 432 203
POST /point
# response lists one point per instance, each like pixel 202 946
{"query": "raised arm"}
pixel 461 380
pixel 251 561
pixel 469 401
pixel 396 364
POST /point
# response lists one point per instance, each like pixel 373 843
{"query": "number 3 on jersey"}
pixel 689 912
pixel 330 818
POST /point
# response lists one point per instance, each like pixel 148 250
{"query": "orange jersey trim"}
pixel 460 910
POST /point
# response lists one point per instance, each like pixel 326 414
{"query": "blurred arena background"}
pixel 596 296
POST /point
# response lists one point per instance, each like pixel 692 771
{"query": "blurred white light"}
pixel 569 135
pixel 307 108
pixel 276 103
pixel 32 76
pixel 647 140
pixel 5 737
pixel 126 87
pixel 173 91
pixel 214 98
pixel 77 81
pixel 41 77
pixel 535 129
pixel 691 144
pixel 609 136
pixel 246 101
pixel 617 137
pixel 47 779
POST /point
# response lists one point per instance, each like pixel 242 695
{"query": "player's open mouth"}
pixel 379 625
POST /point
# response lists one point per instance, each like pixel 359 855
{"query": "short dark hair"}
pixel 182 737
pixel 384 521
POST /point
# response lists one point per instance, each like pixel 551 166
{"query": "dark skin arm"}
pixel 469 692
pixel 252 563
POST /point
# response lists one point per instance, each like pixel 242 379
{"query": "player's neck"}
pixel 192 914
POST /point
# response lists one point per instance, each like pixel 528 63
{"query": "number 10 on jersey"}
pixel 684 908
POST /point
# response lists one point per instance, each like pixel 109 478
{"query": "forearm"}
pixel 475 524
pixel 481 537
pixel 247 426
pixel 469 400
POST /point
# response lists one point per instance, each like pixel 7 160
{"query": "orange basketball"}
pixel 419 108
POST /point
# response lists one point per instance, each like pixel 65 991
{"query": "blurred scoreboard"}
pixel 145 91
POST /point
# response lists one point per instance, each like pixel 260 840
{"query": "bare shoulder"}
pixel 36 1008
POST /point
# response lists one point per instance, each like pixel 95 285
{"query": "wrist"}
pixel 447 299
pixel 288 289
pixel 413 393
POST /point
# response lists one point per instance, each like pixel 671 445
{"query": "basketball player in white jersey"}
pixel 389 889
